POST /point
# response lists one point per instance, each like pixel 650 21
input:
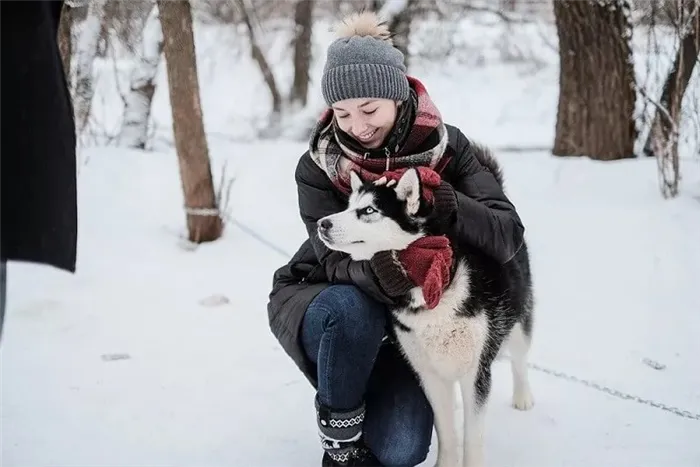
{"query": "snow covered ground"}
pixel 152 354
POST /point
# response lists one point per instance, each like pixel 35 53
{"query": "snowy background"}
pixel 158 354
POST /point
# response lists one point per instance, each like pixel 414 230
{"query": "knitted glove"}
pixel 425 263
pixel 436 192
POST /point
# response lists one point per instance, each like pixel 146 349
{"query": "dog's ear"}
pixel 355 181
pixel 408 189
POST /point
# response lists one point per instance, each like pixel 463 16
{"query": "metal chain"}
pixel 616 393
pixel 555 373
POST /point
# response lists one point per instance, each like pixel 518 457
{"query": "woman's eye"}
pixel 370 112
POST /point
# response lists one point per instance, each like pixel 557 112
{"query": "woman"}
pixel 327 311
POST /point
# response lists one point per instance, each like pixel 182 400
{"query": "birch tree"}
pixel 65 38
pixel 86 51
pixel 137 109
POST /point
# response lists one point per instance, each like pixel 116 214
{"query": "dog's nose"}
pixel 325 224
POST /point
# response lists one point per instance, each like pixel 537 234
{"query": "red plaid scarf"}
pixel 337 159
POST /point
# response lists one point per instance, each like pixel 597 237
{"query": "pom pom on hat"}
pixel 362 62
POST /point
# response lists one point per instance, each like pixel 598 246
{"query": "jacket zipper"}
pixel 304 279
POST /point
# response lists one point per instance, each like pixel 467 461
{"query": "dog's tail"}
pixel 485 157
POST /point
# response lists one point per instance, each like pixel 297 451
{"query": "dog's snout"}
pixel 325 224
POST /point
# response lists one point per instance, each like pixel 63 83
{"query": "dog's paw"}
pixel 523 400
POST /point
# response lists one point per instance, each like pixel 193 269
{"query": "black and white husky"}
pixel 485 306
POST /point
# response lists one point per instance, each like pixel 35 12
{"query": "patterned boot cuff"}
pixel 340 432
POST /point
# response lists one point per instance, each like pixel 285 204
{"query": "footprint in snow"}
pixel 214 300
pixel 653 364
pixel 111 357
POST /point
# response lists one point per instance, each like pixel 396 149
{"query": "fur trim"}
pixel 366 23
pixel 484 155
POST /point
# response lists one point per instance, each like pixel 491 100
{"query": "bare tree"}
pixel 137 109
pixel 124 21
pixel 259 56
pixel 303 18
pixel 65 38
pixel 203 219
pixel 508 5
pixel 398 14
pixel 663 138
pixel 597 88
pixel 85 56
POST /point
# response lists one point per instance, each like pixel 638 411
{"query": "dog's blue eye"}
pixel 367 210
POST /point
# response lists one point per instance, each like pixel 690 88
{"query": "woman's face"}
pixel 369 121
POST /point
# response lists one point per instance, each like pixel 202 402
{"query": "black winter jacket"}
pixel 39 205
pixel 485 218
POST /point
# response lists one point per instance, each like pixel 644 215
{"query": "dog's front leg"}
pixel 440 393
pixel 475 387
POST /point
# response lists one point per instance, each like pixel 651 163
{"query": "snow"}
pixel 157 354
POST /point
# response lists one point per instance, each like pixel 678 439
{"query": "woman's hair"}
pixel 362 62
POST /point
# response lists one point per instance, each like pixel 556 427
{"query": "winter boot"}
pixel 366 460
pixel 341 438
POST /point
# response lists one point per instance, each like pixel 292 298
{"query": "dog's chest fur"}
pixel 443 339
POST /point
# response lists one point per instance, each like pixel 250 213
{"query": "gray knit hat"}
pixel 363 62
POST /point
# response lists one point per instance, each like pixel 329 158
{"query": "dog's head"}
pixel 381 215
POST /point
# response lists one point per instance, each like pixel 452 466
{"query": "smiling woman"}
pixel 369 121
pixel 328 310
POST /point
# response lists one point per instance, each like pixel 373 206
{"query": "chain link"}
pixel 616 393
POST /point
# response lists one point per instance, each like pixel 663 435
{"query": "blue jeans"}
pixel 342 334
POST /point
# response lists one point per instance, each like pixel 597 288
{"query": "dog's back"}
pixel 503 291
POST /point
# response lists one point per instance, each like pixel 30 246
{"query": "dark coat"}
pixel 485 218
pixel 39 207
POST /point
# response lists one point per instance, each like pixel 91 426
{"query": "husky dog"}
pixel 485 306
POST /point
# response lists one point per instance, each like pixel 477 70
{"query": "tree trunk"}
pixel 676 82
pixel 137 111
pixel 397 13
pixel 259 57
pixel 662 141
pixel 508 5
pixel 85 56
pixel 595 115
pixel 302 52
pixel 203 220
pixel 65 39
